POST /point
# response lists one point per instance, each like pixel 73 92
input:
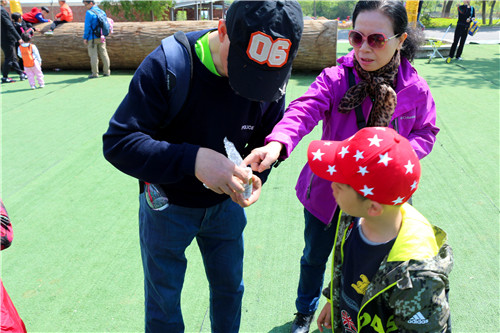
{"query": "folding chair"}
pixel 436 44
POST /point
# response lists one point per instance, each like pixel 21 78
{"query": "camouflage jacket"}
pixel 412 280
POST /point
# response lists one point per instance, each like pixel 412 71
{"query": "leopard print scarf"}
pixel 379 86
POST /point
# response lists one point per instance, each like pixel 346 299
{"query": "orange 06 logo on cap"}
pixel 263 49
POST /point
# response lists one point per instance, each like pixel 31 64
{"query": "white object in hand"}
pixel 235 157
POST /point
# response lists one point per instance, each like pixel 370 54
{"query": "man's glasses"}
pixel 376 41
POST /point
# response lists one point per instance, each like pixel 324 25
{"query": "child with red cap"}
pixel 390 265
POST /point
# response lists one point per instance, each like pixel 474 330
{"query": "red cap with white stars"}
pixel 376 162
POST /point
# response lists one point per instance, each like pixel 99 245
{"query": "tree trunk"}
pixel 131 42
pixel 484 12
pixel 446 8
pixel 491 12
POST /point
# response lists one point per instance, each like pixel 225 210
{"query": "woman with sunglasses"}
pixel 386 90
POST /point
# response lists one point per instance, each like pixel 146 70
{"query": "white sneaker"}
pixel 49 33
pixel 460 59
pixel 33 87
pixel 43 85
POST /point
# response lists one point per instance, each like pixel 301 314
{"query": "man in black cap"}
pixel 9 39
pixel 189 188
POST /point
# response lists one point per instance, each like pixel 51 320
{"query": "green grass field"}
pixel 74 265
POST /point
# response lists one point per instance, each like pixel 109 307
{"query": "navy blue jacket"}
pixel 139 142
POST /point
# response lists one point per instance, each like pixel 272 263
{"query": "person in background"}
pixel 37 15
pixel 373 85
pixel 420 4
pixel 95 44
pixel 390 266
pixel 64 16
pixel 466 14
pixel 10 319
pixel 21 25
pixel 32 61
pixel 237 91
pixel 21 28
pixel 9 39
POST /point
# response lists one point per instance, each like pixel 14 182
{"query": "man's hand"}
pixel 85 41
pixel 256 187
pixel 218 173
pixel 262 158
pixel 325 318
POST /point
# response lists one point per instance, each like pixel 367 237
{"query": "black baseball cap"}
pixel 264 39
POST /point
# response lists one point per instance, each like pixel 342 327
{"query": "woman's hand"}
pixel 263 158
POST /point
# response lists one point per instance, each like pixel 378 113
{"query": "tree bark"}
pixel 483 12
pixel 491 12
pixel 131 42
pixel 447 8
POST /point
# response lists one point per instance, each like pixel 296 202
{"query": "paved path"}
pixel 484 35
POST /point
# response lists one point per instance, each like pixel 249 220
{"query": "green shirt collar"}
pixel 202 49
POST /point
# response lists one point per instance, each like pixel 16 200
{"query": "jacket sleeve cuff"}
pixel 284 140
pixel 189 159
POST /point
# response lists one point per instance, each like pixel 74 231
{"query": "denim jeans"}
pixel 319 240
pixel 164 236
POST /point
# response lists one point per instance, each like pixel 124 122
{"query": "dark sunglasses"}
pixel 376 41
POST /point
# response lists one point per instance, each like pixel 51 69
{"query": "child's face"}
pixel 348 199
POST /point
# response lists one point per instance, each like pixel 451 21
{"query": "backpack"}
pixel 179 72
pixel 103 27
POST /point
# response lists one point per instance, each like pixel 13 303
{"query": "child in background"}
pixel 65 16
pixel 21 25
pixel 21 28
pixel 390 265
pixel 32 61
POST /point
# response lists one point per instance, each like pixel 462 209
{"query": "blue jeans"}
pixel 164 236
pixel 319 242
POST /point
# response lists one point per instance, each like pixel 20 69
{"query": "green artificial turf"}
pixel 75 266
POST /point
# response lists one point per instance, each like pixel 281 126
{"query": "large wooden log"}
pixel 131 42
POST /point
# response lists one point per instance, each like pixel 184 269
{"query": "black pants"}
pixel 55 24
pixel 9 51
pixel 460 37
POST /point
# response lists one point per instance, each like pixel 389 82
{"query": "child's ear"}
pixel 375 209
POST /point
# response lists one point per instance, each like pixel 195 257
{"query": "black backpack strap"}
pixel 360 119
pixel 179 72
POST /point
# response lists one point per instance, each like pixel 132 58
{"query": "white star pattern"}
pixel 375 141
pixel 359 155
pixel 384 158
pixel 344 151
pixel 367 190
pixel 327 143
pixel 398 201
pixel 331 169
pixel 409 167
pixel 363 171
pixel 317 155
pixel 414 185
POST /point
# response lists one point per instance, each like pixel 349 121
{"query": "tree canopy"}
pixel 134 10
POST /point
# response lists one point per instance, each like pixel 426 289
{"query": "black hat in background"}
pixel 264 37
